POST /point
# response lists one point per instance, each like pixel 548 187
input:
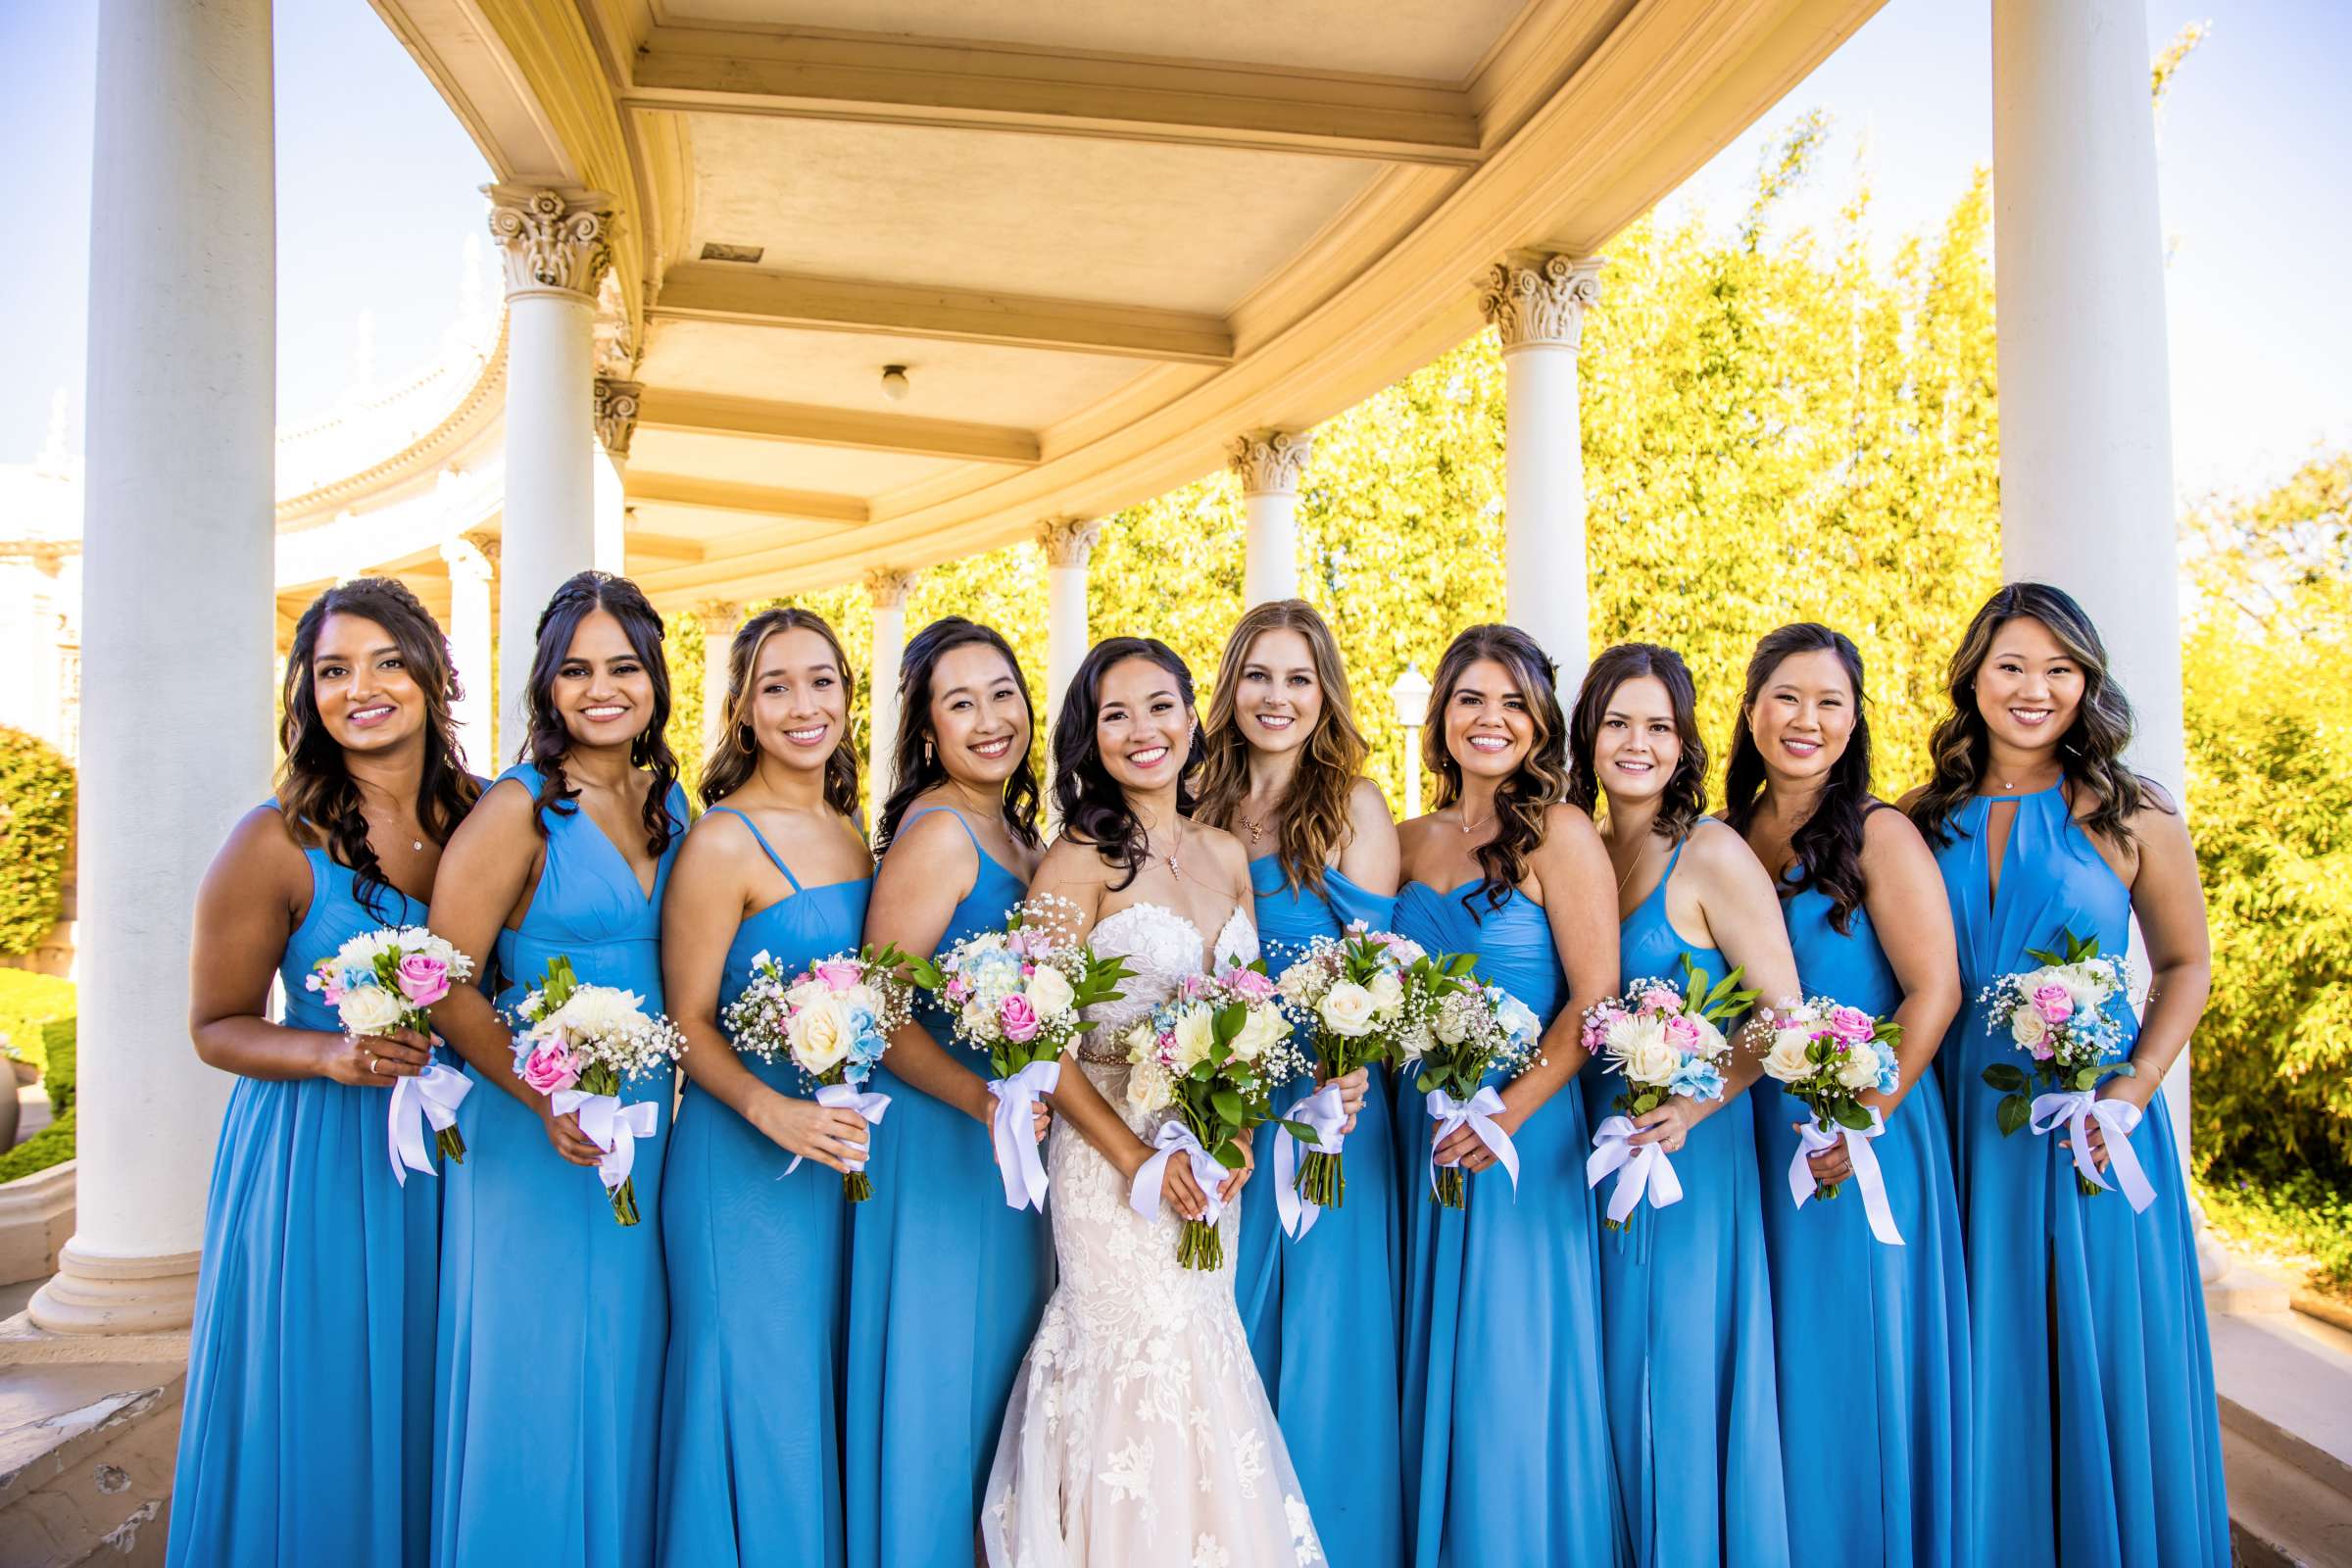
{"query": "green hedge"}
pixel 53 1145
pixel 36 1014
pixel 36 834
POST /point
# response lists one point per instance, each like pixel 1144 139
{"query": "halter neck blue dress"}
pixel 751 1403
pixel 947 1283
pixel 2096 1438
pixel 1830 1278
pixel 1321 1311
pixel 1686 1335
pixel 1503 1426
pixel 553 1315
pixel 305 1434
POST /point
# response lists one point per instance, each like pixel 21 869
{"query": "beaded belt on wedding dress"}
pixel 1116 1058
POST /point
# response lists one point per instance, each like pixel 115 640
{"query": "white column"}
pixel 615 405
pixel 1538 306
pixel 182 325
pixel 469 575
pixel 1068 543
pixel 555 249
pixel 888 588
pixel 1270 463
pixel 720 619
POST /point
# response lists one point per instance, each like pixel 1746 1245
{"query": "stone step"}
pixel 2287 1441
pixel 86 1451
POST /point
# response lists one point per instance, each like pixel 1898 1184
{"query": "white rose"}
pixel 806 994
pixel 1860 1070
pixel 978 1020
pixel 2086 983
pixel 1452 1025
pixel 1346 1009
pixel 1049 993
pixel 1262 1031
pixel 1148 1088
pixel 820 1035
pixel 1641 1052
pixel 1785 1060
pixel 1413 1043
pixel 2026 1028
pixel 1195 1032
pixel 371 1010
pixel 1388 995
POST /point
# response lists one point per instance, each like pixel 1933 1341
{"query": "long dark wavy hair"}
pixel 735 754
pixel 2091 754
pixel 1828 843
pixel 1685 797
pixel 915 764
pixel 316 793
pixel 1541 779
pixel 1092 806
pixel 546 742
pixel 1313 818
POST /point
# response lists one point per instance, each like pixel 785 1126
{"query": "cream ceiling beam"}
pixel 718 292
pixel 895 80
pixel 664 547
pixel 811 425
pixel 757 500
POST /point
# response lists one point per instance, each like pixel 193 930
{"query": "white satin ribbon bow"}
pixel 432 1096
pixel 612 1127
pixel 2075 1110
pixel 1207 1174
pixel 1814 1139
pixel 1324 1111
pixel 847 1097
pixel 1647 1170
pixel 1013 1128
pixel 1477 1113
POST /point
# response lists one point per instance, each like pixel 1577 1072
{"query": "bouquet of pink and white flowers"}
pixel 1827 1056
pixel 1664 1040
pixel 388 979
pixel 577 1043
pixel 832 1020
pixel 1213 1053
pixel 2057 1015
pixel 1018 994
pixel 1473 1030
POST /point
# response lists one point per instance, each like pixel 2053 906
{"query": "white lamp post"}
pixel 1410 695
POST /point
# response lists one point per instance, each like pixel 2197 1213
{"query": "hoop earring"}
pixel 743 740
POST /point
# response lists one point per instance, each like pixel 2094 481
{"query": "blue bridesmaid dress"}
pixel 751 1403
pixel 1321 1311
pixel 1907 1405
pixel 1503 1435
pixel 947 1283
pixel 2097 1439
pixel 1686 1337
pixel 307 1431
pixel 554 1314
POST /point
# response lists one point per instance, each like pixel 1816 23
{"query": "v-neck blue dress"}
pixel 306 1435
pixel 751 1407
pixel 1321 1310
pixel 946 1284
pixel 1686 1337
pixel 553 1314
pixel 2098 1440
pixel 1504 1428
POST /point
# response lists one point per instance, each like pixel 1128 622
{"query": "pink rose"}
pixel 550 1067
pixel 957 991
pixel 2042 1049
pixel 423 978
pixel 1851 1024
pixel 1682 1033
pixel 1659 999
pixel 1017 1019
pixel 2054 1002
pixel 840 973
pixel 331 993
pixel 1250 983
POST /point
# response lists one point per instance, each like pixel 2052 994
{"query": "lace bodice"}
pixel 1161 948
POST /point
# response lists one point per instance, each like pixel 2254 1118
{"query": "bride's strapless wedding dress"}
pixel 1138 1434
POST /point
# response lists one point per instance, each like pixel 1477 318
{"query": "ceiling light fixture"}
pixel 894 382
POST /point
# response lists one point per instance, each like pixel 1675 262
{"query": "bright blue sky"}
pixel 377 200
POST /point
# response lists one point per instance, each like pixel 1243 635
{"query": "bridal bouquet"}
pixel 384 980
pixel 1361 999
pixel 1019 995
pixel 1213 1053
pixel 2057 1015
pixel 1827 1056
pixel 1473 1030
pixel 833 1021
pixel 1663 1041
pixel 577 1044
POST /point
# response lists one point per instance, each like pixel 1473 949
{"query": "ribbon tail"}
pixel 1632 1181
pixel 2128 1173
pixel 404 1140
pixel 1665 1187
pixel 1802 1184
pixel 1873 1182
pixel 1144 1195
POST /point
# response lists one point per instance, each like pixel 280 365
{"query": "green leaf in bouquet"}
pixel 927 974
pixel 1301 1130
pixel 2008 1077
pixel 2014 1113
pixel 1888 1033
pixel 2124 1069
pixel 1228 1021
pixel 1850 1114
pixel 561 983
pixel 1227 1153
pixel 1459 964
pixel 2085 1078
pixel 1228 1104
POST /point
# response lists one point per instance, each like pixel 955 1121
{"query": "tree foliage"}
pixel 36 837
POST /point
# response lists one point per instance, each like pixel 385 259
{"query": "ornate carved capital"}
pixel 1540 300
pixel 887 586
pixel 551 240
pixel 617 413
pixel 1069 541
pixel 718 615
pixel 467 558
pixel 1270 462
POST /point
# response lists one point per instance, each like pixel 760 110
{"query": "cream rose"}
pixel 1195 1032
pixel 1048 993
pixel 2086 984
pixel 1148 1088
pixel 1641 1052
pixel 1388 994
pixel 1346 1009
pixel 371 1009
pixel 822 1035
pixel 978 1019
pixel 2026 1028
pixel 1859 1071
pixel 1260 1032
pixel 1452 1025
pixel 1785 1060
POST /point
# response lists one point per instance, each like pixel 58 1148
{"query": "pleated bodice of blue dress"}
pixel 1321 1310
pixel 2097 1437
pixel 758 1269
pixel 553 1314
pixel 1502 1422
pixel 1686 1335
pixel 306 1435
pixel 947 1283
pixel 1907 1406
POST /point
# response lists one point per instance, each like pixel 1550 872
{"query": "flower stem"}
pixel 855 1188
pixel 624 1201
pixel 1448 1194
pixel 451 1145
pixel 1323 1180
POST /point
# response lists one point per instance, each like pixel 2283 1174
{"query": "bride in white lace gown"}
pixel 1138 1434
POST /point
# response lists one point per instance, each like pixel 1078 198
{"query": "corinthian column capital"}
pixel 1540 300
pixel 551 239
pixel 1069 541
pixel 1270 462
pixel 467 558
pixel 886 586
pixel 617 413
